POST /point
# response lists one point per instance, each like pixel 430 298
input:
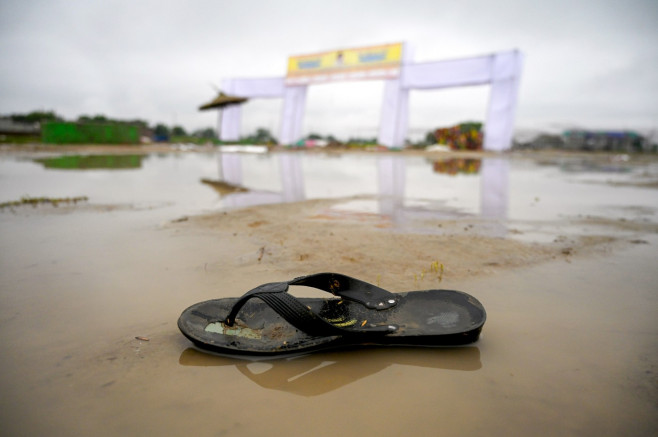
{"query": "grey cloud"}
pixel 587 61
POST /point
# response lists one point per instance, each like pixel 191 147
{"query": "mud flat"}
pixel 90 294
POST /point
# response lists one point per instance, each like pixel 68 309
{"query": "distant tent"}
pixel 222 101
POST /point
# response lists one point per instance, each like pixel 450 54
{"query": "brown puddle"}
pixel 570 345
pixel 321 373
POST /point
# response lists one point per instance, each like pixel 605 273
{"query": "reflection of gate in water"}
pixel 391 184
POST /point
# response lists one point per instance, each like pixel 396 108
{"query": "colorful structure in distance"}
pixel 391 63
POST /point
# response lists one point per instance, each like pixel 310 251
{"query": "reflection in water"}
pixel 223 188
pixel 92 162
pixel 457 165
pixel 391 181
pixel 230 168
pixel 494 197
pixel 312 375
pixel 292 177
pixel 391 178
pixel 292 181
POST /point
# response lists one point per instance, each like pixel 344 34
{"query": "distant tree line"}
pixel 329 138
pixel 159 130
pixel 35 117
pixel 261 136
pixel 162 132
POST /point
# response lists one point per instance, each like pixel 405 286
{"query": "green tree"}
pixel 178 131
pixel 137 122
pixel 264 136
pixel 161 130
pixel 207 133
pixel 36 117
pixel 261 136
pixel 99 118
pixel 357 140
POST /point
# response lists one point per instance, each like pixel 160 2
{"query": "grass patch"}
pixel 34 201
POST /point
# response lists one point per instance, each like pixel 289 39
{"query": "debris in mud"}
pixel 34 201
pixel 237 330
pixel 142 338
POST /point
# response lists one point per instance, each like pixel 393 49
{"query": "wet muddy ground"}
pixel 560 249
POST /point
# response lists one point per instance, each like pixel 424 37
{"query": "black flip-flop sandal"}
pixel 268 321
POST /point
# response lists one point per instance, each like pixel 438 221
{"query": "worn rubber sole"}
pixel 423 318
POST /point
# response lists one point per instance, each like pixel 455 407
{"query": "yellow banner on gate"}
pixel 375 62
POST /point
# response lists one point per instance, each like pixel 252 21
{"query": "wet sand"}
pixel 570 346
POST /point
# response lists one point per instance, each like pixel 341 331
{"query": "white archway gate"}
pixel 501 70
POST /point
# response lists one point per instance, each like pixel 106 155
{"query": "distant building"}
pixel 610 141
pixel 10 127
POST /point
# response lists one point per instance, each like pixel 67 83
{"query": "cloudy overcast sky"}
pixel 588 64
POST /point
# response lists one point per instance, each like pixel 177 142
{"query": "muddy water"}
pixel 570 346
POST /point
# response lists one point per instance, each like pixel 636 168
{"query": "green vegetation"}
pixel 100 129
pixel 35 117
pixel 261 136
pixel 207 133
pixel 328 138
pixel 89 162
pixel 101 119
pixel 20 139
pixel 435 272
pixel 178 131
pixel 355 143
pixel 161 130
pixel 34 201
pixel 58 132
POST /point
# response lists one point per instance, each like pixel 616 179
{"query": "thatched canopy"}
pixel 221 101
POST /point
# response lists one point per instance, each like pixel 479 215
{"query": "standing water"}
pixel 560 249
